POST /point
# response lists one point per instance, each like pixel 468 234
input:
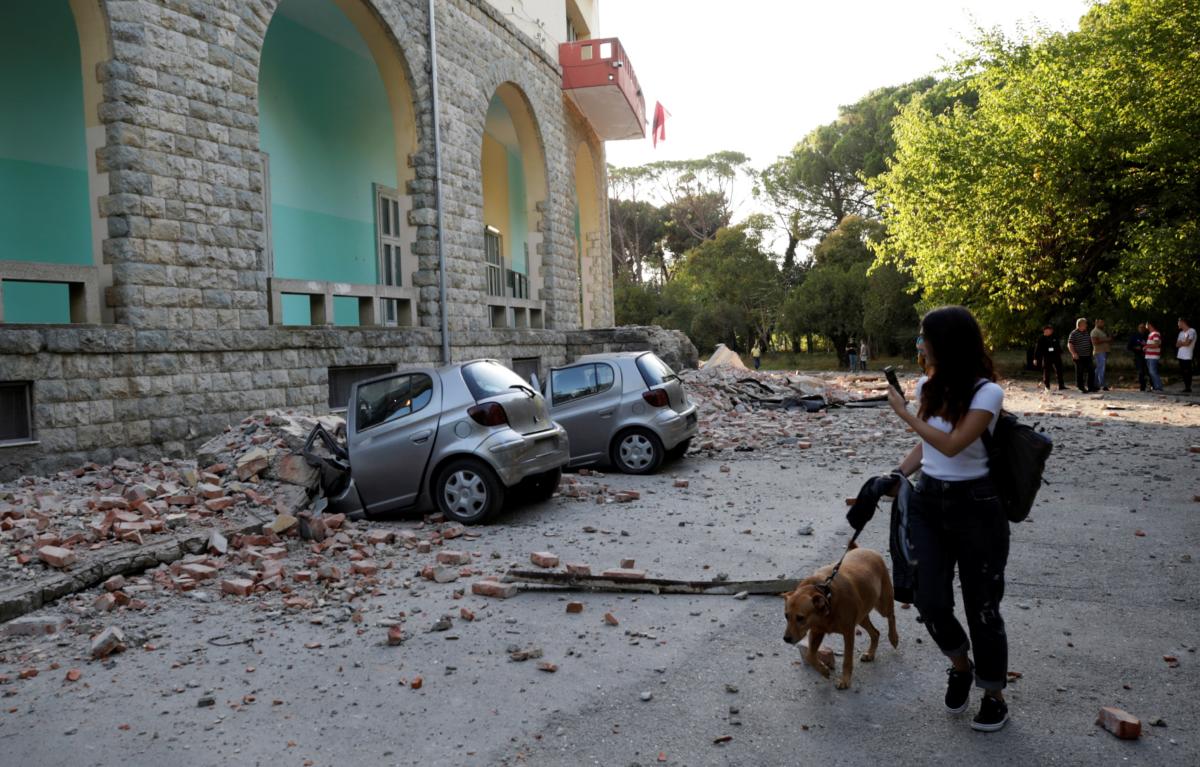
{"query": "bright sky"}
pixel 756 75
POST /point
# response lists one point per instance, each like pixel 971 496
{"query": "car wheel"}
pixel 637 451
pixel 679 450
pixel 540 487
pixel 468 491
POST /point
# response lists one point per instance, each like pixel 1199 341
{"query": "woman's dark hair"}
pixel 959 361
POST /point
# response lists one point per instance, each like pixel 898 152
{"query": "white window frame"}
pixel 389 237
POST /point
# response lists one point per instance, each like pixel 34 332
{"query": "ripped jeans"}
pixel 962 523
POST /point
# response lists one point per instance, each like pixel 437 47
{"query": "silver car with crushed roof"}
pixel 458 437
pixel 628 409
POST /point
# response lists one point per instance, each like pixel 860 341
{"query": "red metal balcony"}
pixel 598 78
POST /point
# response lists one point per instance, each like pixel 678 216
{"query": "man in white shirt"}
pixel 1185 349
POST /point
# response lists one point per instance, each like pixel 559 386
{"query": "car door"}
pixel 583 400
pixel 391 424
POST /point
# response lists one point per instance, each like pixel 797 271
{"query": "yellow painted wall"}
pixel 495 190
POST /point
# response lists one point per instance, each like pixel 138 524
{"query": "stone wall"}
pixel 192 349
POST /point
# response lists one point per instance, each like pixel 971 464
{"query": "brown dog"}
pixel 862 584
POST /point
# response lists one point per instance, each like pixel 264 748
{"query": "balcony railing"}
pixel 83 283
pixel 599 78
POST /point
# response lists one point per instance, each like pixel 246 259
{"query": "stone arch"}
pixel 50 134
pixel 515 191
pixel 314 199
pixel 589 236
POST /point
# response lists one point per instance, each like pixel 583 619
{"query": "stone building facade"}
pixel 192 306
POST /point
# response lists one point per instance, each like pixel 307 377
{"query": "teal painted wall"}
pixel 518 218
pixel 327 126
pixel 44 203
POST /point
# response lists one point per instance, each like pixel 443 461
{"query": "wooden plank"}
pixel 570 582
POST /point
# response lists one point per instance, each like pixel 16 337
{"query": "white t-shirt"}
pixel 1185 353
pixel 971 462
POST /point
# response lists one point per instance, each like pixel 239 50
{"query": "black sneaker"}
pixel 958 689
pixel 992 716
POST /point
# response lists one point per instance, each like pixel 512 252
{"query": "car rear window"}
pixel 487 379
pixel 654 371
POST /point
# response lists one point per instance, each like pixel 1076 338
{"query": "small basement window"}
pixel 341 379
pixel 16 412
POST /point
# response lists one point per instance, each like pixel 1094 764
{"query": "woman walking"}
pixel 955 517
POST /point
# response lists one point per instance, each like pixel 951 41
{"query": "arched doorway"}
pixel 49 134
pixel 514 185
pixel 589 246
pixel 336 128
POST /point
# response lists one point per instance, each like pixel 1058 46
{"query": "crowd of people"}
pixel 1089 352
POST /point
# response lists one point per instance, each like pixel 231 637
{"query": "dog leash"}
pixel 826 587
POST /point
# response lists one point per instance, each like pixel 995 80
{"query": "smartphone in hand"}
pixel 890 372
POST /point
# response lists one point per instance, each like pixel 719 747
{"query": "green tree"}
pixel 1068 181
pixel 637 228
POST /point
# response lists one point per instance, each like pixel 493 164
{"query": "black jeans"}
pixel 962 523
pixel 1052 361
pixel 1139 362
pixel 1185 370
pixel 1085 373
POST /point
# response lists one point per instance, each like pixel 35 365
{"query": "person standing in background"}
pixel 1185 348
pixel 1101 345
pixel 1048 354
pixel 852 355
pixel 862 355
pixel 1153 349
pixel 1079 343
pixel 756 355
pixel 1137 345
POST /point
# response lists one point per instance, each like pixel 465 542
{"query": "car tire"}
pixel 468 491
pixel 540 487
pixel 637 451
pixel 680 450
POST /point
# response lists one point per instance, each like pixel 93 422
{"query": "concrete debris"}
pixel 110 640
pixel 1120 723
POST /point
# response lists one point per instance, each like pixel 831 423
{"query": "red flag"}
pixel 659 131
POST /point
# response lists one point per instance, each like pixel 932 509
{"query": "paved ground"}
pixel 1091 607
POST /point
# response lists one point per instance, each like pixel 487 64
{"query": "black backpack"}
pixel 1016 459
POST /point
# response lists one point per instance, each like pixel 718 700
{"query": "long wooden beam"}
pixel 571 582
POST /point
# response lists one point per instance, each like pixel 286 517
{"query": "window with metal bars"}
pixel 495 261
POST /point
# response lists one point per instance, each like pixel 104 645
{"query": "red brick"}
pixel 74 675
pixel 27 673
pixel 1120 723
pixel 625 496
pixel 453 530
pixel 105 602
pixel 624 573
pixel 611 619
pixel 240 587
pixel 395 635
pixel 219 504
pixel 804 445
pixel 416 683
pixel 577 568
pixel 210 491
pixel 199 572
pixel 365 567
pixel 56 556
pixel 466 614
pixel 302 576
pixel 115 583
pixel 490 588
pixel 448 557
pixel 424 547
pixel 334 521
pixel 574 607
pixel 681 483
pixel 544 559
pixel 547 666
pixel 376 537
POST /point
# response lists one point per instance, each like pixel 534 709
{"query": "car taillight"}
pixel 656 397
pixel 488 414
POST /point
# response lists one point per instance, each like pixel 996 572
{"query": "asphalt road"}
pixel 1091 610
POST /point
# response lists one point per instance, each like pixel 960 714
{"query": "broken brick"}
pixel 416 683
pixel 547 666
pixel 198 572
pixel 452 531
pixel 574 607
pixel 56 556
pixel 624 573
pixel 491 588
pixel 395 635
pixel 115 583
pixel 625 496
pixel 466 614
pixel 378 537
pixel 219 504
pixel 110 640
pixel 681 483
pixel 544 559
pixel 611 619
pixel 448 557
pixel 240 587
pixel 105 602
pixel 364 567
pixel 1120 723
pixel 73 675
pixel 576 568
pixel 628 564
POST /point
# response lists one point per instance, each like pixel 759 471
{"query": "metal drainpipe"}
pixel 437 172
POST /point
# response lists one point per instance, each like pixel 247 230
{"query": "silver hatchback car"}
pixel 627 408
pixel 459 436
